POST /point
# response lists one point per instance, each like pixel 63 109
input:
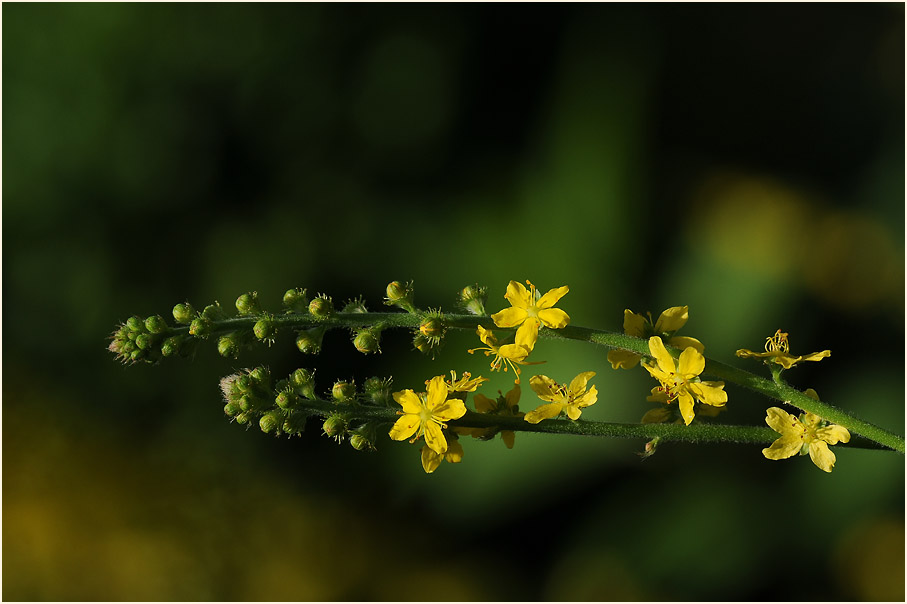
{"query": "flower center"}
pixel 777 343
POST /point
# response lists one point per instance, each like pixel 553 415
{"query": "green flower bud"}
pixel 363 437
pixel 243 418
pixel 334 426
pixel 183 313
pixel 127 347
pixel 356 305
pixel 271 421
pixel 201 327
pixel 295 422
pixel 286 399
pixel 378 391
pixel 144 341
pixel 367 339
pixel 421 343
pixel 232 409
pixel 265 329
pixel 400 294
pixel 343 392
pixel 262 377
pixel 213 312
pixel 228 345
pixel 473 298
pixel 303 382
pixel 321 307
pixel 252 402
pixel 247 304
pixel 359 442
pixel 156 324
pixel 432 327
pixel 295 300
pixel 308 341
pixel 244 384
pixel 137 355
pixel 135 324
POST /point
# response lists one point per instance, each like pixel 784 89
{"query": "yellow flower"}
pixel 639 326
pixel 680 381
pixel 561 398
pixel 777 349
pixel 431 459
pixel 426 414
pixel 664 413
pixel 464 384
pixel 806 434
pixel 506 405
pixel 507 355
pixel 528 309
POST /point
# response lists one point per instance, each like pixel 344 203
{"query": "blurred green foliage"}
pixel 745 160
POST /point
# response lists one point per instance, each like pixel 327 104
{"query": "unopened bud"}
pixel 334 426
pixel 229 345
pixel 262 377
pixel 295 300
pixel 367 340
pixel 247 304
pixel 286 399
pixel 303 382
pixel 135 324
pixel 356 306
pixel 144 341
pixel 265 329
pixel 156 324
pixel 243 418
pixel 378 391
pixel 183 313
pixel 308 341
pixel 343 392
pixel 400 294
pixel 432 327
pixel 295 422
pixel 232 409
pixel 201 327
pixel 359 442
pixel 473 298
pixel 321 307
pixel 171 346
pixel 271 421
pixel 213 312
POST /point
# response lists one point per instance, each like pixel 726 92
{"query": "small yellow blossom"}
pixel 680 381
pixel 777 350
pixel 805 434
pixel 561 398
pixel 506 355
pixel 660 415
pixel 506 405
pixel 431 459
pixel 464 384
pixel 425 413
pixel 639 326
pixel 528 309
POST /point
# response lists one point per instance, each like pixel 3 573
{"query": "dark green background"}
pixel 746 160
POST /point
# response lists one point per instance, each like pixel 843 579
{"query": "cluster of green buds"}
pixel 149 340
pixel 282 407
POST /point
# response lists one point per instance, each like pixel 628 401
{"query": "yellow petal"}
pixel 785 360
pixel 587 399
pixel 811 394
pixel 518 295
pixel 544 412
pixel 509 317
pixel 512 398
pixel 450 409
pixel 657 373
pixel 487 336
pixel 454 452
pixel 623 359
pixel 483 403
pixel 546 388
pixel 551 298
pixel 665 361
pixel 514 352
pixel 691 362
pixel 657 415
pixel 833 434
pixel 527 334
pixel 685 401
pixel 743 353
pixel 573 411
pixel 554 318
pixel 710 393
pixel 782 422
pixel 683 342
pixel 437 392
pixel 434 438
pixel 508 437
pixel 784 447
pixel 409 400
pixel 810 420
pixel 578 385
pixel 430 460
pixel 821 455
pixel 404 427
pixel 816 356
pixel 672 319
pixel 658 396
pixel 634 324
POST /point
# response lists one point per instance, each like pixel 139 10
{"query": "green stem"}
pixel 777 391
pixel 694 433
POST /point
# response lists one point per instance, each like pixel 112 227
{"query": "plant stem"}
pixel 777 391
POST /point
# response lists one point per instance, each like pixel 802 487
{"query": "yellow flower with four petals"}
pixel 570 399
pixel 680 380
pixel 805 434
pixel 425 414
